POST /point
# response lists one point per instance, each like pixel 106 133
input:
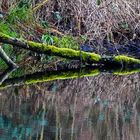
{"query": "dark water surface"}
pixel 103 107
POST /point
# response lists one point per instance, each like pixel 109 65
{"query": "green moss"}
pixel 65 52
pixel 6 29
pixel 90 56
pixel 126 59
pixel 126 72
pixel 5 36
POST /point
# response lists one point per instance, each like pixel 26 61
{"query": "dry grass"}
pixel 95 21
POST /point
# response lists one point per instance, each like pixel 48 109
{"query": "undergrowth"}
pixel 66 42
pixel 94 18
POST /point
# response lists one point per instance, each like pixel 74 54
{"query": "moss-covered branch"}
pixel 68 53
pixel 50 49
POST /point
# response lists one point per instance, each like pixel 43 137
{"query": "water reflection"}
pixel 103 107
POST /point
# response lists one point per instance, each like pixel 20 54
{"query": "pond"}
pixel 100 107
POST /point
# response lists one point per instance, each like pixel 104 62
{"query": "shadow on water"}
pixel 93 104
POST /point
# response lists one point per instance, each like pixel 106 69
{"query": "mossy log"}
pixel 50 49
pixel 47 76
pixel 87 57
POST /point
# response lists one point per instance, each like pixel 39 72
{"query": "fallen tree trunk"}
pixel 87 57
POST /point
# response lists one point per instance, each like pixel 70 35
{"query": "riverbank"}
pixel 60 24
pixel 93 19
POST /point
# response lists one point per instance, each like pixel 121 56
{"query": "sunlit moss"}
pixel 126 59
pixel 5 36
pixel 65 52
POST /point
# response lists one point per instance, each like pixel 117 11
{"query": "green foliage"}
pixel 63 42
pixel 6 29
pixel 45 24
pixel 8 49
pixel 3 65
pixel 47 39
pixel 66 42
pixel 21 11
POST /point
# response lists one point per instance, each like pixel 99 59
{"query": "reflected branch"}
pixel 46 76
pixel 6 74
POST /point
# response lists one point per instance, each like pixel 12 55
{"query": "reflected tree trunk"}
pixel 47 76
pixel 5 75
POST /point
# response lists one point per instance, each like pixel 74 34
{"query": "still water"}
pixel 102 107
